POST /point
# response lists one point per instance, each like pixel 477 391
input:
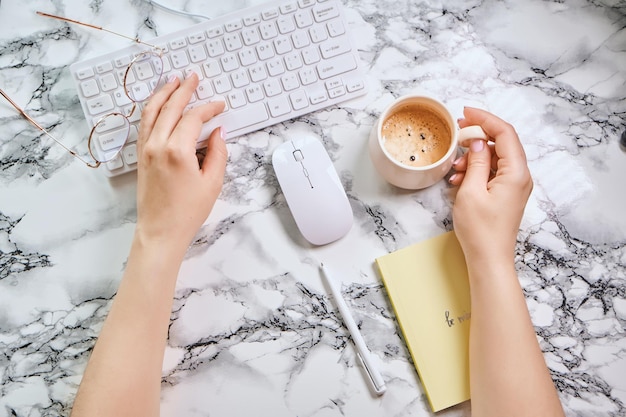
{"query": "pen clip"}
pixel 377 383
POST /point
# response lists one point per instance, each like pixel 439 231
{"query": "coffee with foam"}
pixel 416 136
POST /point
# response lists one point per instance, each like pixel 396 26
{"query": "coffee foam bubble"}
pixel 416 136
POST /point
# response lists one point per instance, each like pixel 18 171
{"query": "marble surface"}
pixel 254 331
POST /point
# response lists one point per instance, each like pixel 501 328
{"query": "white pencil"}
pixel 378 383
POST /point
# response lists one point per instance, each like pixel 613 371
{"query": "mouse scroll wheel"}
pixel 297 154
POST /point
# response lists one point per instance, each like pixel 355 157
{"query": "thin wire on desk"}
pixel 175 11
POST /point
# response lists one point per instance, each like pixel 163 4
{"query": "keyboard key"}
pixel 236 99
pixel 303 18
pixel 179 59
pixel 334 47
pixel 286 24
pixel 300 40
pixel 282 45
pixel 108 82
pixel 272 87
pixel 251 36
pixel 215 48
pixel 133 135
pixel 122 62
pixel 307 76
pixel 298 100
pixel 257 72
pixel 268 30
pixel 100 105
pixel 275 67
pixel 293 61
pixel 196 38
pixel 355 84
pixel 252 20
pixel 232 42
pixel 254 93
pixel 211 69
pixel 288 7
pixel 323 12
pixel 270 14
pixel 318 97
pixel 129 154
pixel 115 164
pixel 229 62
pixel 178 43
pixel 306 3
pixel 193 69
pixel 113 140
pixel 240 78
pixel 89 88
pixel 121 98
pixel 290 81
pixel 336 66
pixel 337 92
pixel 279 106
pixel 311 55
pixel 215 32
pixel 242 118
pixel 247 57
pixel 143 70
pixel 104 67
pixel 265 51
pixel 233 25
pixel 222 84
pixel 84 73
pixel 197 54
pixel 318 34
pixel 204 90
pixel 335 28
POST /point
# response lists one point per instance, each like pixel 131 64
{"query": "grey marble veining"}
pixel 253 329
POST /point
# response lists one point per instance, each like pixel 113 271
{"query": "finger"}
pixel 153 108
pixel 190 125
pixel 214 165
pixel 478 165
pixel 457 178
pixel 507 143
pixel 172 110
pixel 460 164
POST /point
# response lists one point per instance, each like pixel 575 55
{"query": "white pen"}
pixel 363 352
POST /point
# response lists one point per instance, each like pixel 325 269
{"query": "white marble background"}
pixel 254 331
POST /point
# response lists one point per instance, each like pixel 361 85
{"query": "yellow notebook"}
pixel 428 286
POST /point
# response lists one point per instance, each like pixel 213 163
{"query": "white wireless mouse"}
pixel 312 189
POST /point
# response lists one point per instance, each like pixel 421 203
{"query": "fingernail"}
pixel 222 133
pixel 452 178
pixel 456 161
pixel 460 119
pixel 477 145
pixel 171 78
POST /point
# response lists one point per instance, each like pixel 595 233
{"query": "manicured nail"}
pixel 171 78
pixel 477 145
pixel 452 178
pixel 222 133
pixel 456 161
pixel 460 120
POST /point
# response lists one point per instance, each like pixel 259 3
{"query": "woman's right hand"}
pixel 494 186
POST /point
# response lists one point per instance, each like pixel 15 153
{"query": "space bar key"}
pixel 235 120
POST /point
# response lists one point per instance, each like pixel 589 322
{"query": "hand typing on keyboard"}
pixel 174 197
pixel 268 63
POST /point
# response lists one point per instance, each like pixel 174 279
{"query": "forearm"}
pixel 508 374
pixel 123 375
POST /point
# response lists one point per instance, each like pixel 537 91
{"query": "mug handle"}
pixel 471 132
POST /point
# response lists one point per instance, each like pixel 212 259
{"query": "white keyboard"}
pixel 270 63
